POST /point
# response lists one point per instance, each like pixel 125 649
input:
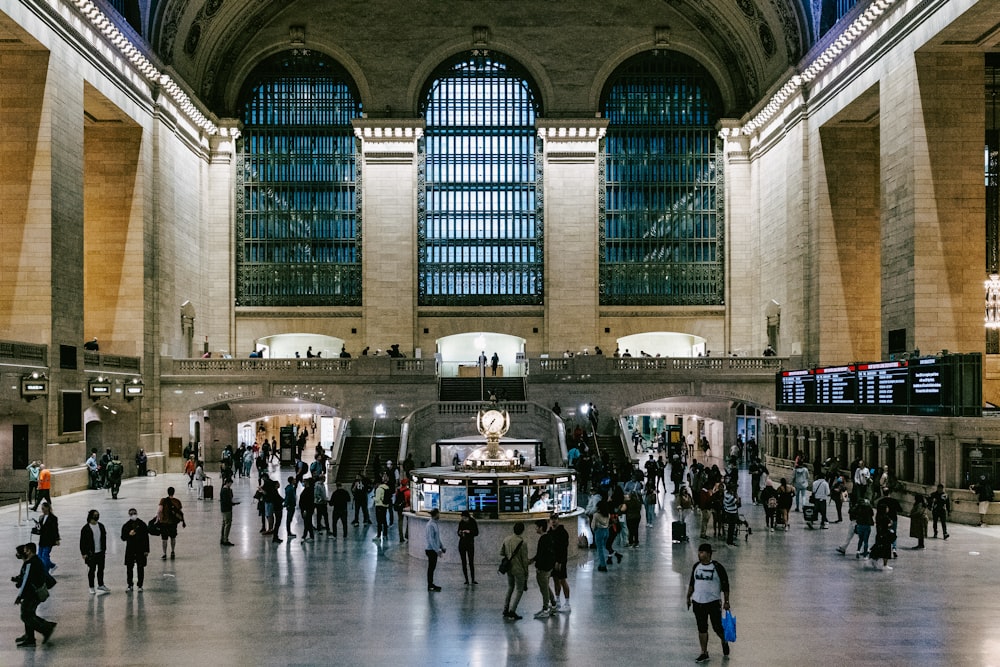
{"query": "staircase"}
pixel 468 389
pixel 613 446
pixel 352 457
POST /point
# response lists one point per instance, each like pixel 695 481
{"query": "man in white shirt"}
pixel 709 582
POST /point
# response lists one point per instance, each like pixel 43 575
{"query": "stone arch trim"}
pixel 424 69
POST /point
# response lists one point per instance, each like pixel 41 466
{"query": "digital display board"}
pixel 946 385
pixel 928 379
pixel 797 388
pixel 511 498
pixel 883 383
pixel 483 499
pixel 835 386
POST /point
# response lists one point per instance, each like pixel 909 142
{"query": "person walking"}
pixel 34 468
pixel 30 580
pixel 864 515
pixel 168 514
pixel 383 500
pixel 707 587
pixel 918 519
pixel 94 548
pixel 516 551
pixel 48 536
pixel 432 549
pixel 339 500
pixel 322 504
pixel 307 507
pixel 560 545
pixel 940 509
pixel 544 560
pixel 135 535
pixel 43 494
pixel 289 503
pixel 226 503
pixel 401 503
pixel 800 480
pixel 600 524
pixel 468 530
pixel 820 496
pixel 984 494
pixel 359 492
pixel 199 480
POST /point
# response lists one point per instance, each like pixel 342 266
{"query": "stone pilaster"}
pixel 389 229
pixel 572 187
pixel 933 235
pixel 746 327
pixel 220 240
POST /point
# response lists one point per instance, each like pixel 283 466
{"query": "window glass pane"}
pixel 480 183
pixel 297 219
pixel 661 241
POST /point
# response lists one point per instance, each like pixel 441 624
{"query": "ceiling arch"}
pixel 747 44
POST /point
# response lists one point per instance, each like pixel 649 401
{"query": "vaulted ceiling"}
pixel 570 46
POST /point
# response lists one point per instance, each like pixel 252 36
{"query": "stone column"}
pixel 570 205
pixel 933 236
pixel 746 328
pixel 389 192
pixel 220 269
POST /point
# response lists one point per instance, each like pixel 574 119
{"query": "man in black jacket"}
pixel 93 548
pixel 544 560
pixel 31 578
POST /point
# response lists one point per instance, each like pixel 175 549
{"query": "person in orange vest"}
pixel 189 467
pixel 44 491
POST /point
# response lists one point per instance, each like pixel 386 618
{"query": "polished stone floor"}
pixel 353 602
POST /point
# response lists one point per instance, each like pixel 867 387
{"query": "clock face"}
pixel 493 422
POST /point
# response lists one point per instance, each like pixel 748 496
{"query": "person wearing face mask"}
pixel 93 548
pixel 136 538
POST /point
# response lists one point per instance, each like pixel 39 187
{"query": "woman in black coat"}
pixel 136 538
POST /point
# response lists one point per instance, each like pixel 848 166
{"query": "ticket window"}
pixel 428 497
pixel 541 497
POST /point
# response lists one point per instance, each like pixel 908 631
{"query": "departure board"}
pixel 836 386
pixel 928 379
pixel 797 388
pixel 945 385
pixel 881 384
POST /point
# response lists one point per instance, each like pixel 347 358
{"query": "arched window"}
pixel 661 240
pixel 480 226
pixel 297 223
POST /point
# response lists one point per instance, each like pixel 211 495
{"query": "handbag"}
pixel 505 563
pixel 42 592
pixel 153 527
pixel 729 626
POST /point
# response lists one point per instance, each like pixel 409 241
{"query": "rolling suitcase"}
pixel 208 492
pixel 678 531
pixel 809 513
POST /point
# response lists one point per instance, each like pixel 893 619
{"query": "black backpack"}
pixel 399 500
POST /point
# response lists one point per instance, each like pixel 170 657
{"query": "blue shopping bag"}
pixel 729 626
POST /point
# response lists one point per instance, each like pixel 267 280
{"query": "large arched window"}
pixel 480 226
pixel 661 239
pixel 297 224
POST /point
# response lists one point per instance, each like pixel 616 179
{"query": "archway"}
pixel 458 355
pixel 286 346
pixel 662 344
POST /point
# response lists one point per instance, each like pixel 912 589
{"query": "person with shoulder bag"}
pixel 33 584
pixel 514 558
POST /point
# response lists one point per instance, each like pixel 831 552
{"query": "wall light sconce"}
pixel 33 385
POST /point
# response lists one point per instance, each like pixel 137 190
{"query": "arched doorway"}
pixel 458 355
